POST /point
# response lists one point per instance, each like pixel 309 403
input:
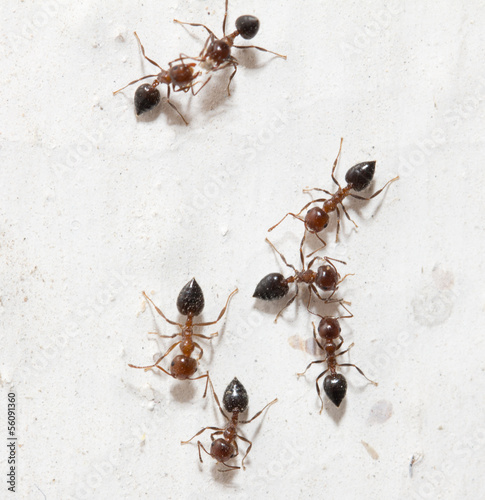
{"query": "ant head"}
pixel 191 299
pixel 272 287
pixel 329 328
pixel 361 175
pixel 235 397
pixel 335 387
pixel 327 278
pixel 221 450
pixel 248 26
pixel 316 220
pixel 183 367
pixel 146 98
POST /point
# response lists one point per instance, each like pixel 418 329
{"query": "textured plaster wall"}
pixel 97 206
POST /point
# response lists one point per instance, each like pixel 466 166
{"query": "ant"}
pixel 334 384
pixel 190 303
pixel 216 53
pixel 180 76
pixel 235 401
pixel 316 219
pixel 275 286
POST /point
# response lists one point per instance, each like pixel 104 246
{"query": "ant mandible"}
pixel 274 286
pixel 181 77
pixel 235 401
pixel 316 219
pixel 190 303
pixel 335 384
pixel 216 53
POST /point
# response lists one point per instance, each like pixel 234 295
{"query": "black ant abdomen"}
pixel 190 300
pixel 247 26
pixel 235 397
pixel 361 175
pixel 146 98
pixel 274 286
pixel 335 387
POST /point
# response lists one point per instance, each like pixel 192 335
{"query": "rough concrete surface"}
pixel 97 206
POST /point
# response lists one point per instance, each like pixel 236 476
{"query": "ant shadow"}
pixel 275 306
pixel 223 477
pixel 334 412
pixel 182 391
pixel 214 95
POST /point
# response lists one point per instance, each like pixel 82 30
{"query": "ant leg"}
pixel 281 255
pixel 307 190
pixel 327 260
pixel 349 274
pixel 319 258
pixel 217 400
pixel 346 350
pixel 163 370
pixel 338 224
pixel 199 446
pixel 146 368
pixel 221 313
pixel 312 363
pixel 215 433
pixel 318 249
pixel 345 317
pixel 206 384
pixel 325 299
pixel 315 330
pixel 230 78
pixel 287 305
pixel 296 216
pixel 200 432
pixel 144 55
pixel 247 451
pixel 259 48
pixel 210 337
pixel 202 86
pixel 340 345
pixel 302 258
pixel 361 372
pixel 203 52
pixel 196 25
pixel 335 163
pixel 377 192
pixel 318 388
pixel 134 81
pixel 347 214
pixel 259 412
pixel 160 312
pixel 229 467
pixel 165 336
pixel 201 350
pixel 175 107
pixel 225 18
